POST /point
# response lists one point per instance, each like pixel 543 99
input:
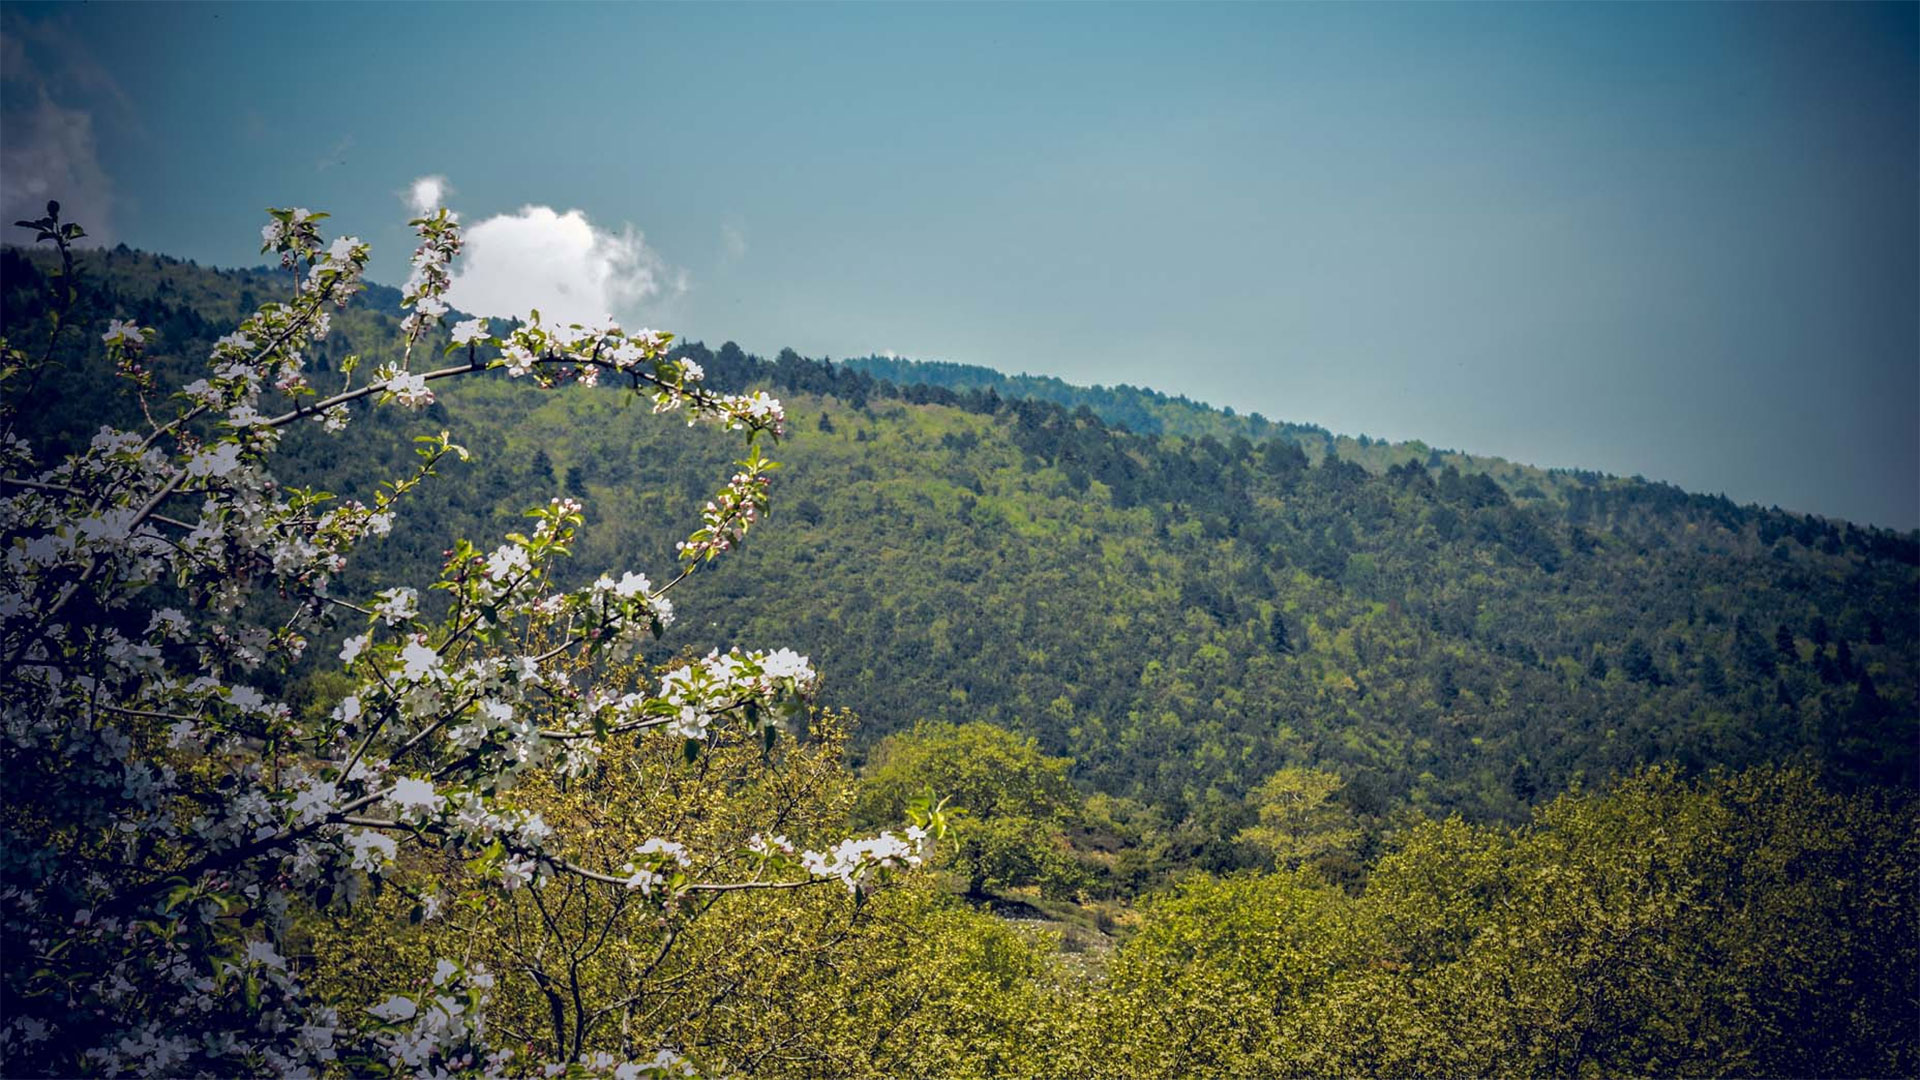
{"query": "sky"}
pixel 1674 240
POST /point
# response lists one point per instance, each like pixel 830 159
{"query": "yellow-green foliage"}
pixel 804 983
pixel 1011 803
pixel 1298 819
pixel 1746 925
pixel 1217 978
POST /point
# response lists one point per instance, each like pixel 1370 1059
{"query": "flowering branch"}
pixel 164 822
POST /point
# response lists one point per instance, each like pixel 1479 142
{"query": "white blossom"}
pixel 371 850
pixel 264 954
pixel 122 332
pixel 409 390
pixel 414 799
pixel 507 560
pixel 418 661
pixel 395 1009
pixel 397 605
pixel 219 461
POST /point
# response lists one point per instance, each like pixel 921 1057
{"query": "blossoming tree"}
pixel 165 824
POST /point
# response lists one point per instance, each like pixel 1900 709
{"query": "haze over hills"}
pixel 1186 606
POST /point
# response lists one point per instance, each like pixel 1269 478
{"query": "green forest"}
pixel 1250 750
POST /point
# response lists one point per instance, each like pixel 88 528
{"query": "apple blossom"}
pixel 227 812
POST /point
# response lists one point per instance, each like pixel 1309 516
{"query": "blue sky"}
pixel 1675 240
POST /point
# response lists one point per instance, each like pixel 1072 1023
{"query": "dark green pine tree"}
pixel 1636 662
pixel 1280 639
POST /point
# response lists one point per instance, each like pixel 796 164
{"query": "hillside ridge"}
pixel 1139 409
pixel 1153 412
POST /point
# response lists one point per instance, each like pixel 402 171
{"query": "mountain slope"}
pixel 1180 614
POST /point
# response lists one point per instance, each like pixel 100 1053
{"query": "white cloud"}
pixel 49 150
pixel 49 153
pixel 427 194
pixel 561 264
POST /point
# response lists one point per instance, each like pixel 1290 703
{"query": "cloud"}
pixel 561 264
pixel 49 150
pixel 427 194
pixel 49 153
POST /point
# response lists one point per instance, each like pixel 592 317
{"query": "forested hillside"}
pixel 1242 760
pixel 1181 616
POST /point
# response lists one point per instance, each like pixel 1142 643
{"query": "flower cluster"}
pixel 657 864
pixel 854 862
pixel 403 388
pixel 752 684
pixel 444 1026
pixel 556 355
pixel 431 275
pixel 166 822
pixel 726 517
pixel 293 234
